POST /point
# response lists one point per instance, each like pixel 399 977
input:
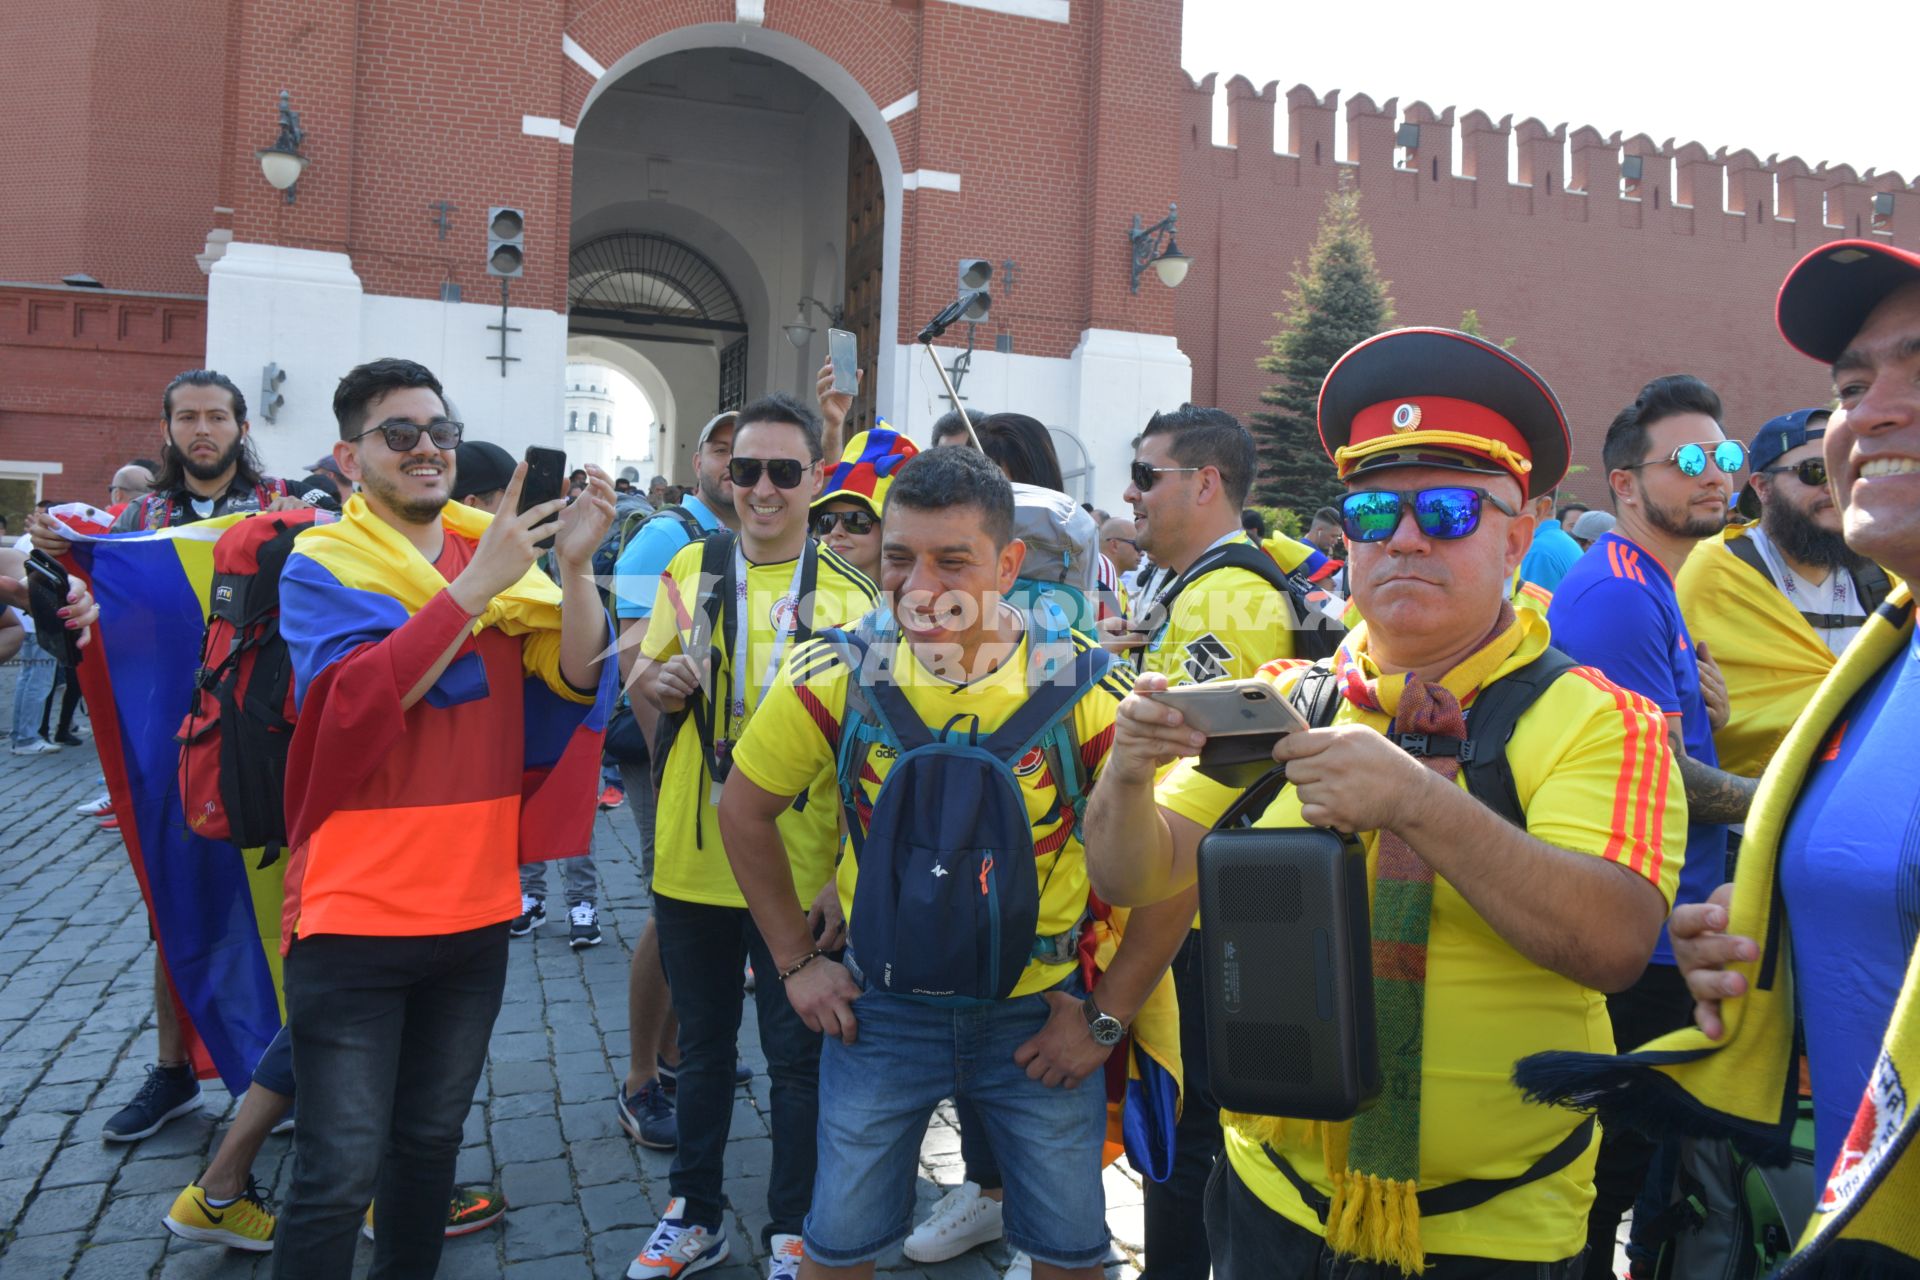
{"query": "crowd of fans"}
pixel 850 672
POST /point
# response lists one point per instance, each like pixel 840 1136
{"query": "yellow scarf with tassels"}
pixel 1743 1086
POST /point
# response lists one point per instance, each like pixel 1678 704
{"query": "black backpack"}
pixel 1314 634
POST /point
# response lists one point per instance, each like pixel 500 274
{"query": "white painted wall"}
pixel 587 409
pixel 305 310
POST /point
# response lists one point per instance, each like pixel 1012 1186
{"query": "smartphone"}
pixel 47 588
pixel 843 349
pixel 546 480
pixel 1226 708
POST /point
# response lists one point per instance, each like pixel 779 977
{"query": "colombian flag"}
pixel 215 909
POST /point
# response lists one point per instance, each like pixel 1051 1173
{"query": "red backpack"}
pixel 233 743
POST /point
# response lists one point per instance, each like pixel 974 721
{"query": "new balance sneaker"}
pixel 242 1223
pixel 39 746
pixel 784 1262
pixel 613 797
pixel 648 1117
pixel 1021 1268
pixel 98 807
pixel 583 926
pixel 961 1219
pixel 169 1092
pixel 676 1249
pixel 471 1209
pixel 533 914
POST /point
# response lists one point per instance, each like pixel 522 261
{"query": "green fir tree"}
pixel 1339 300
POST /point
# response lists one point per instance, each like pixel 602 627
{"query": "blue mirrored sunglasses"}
pixel 1728 455
pixel 1445 513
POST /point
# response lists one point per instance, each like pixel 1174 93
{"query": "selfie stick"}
pixel 936 327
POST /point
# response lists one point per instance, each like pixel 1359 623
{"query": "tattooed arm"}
pixel 1713 795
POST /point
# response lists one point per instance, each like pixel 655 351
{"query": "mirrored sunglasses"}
pixel 1445 513
pixel 1728 455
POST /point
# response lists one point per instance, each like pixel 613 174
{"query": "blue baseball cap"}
pixel 1779 437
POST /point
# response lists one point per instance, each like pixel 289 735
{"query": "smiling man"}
pixel 1492 939
pixel 435 669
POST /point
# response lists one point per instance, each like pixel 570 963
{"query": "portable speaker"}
pixel 1288 968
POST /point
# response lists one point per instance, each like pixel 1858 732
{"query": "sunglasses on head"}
pixel 1446 513
pixel 857 523
pixel 1811 472
pixel 402 435
pixel 1728 455
pixel 784 472
pixel 1145 473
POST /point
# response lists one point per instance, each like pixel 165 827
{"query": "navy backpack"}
pixel 947 907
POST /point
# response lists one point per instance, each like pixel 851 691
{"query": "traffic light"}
pixel 975 277
pixel 271 400
pixel 506 241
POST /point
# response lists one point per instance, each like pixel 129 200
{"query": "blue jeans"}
pixel 877 1093
pixel 389 1038
pixel 702 949
pixel 31 686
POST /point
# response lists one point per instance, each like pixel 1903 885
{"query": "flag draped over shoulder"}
pixel 215 909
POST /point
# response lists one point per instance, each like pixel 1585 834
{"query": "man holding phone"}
pixel 1490 941
pixel 430 659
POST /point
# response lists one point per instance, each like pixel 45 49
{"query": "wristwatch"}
pixel 1105 1028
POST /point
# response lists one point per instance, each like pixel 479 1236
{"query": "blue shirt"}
pixel 1616 610
pixel 636 575
pixel 1850 876
pixel 1551 555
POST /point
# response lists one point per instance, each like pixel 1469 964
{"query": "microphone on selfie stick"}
pixel 937 326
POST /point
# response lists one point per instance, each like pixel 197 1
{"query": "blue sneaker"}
pixel 648 1117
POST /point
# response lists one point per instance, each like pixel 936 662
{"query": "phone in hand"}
pixel 1224 708
pixel 47 587
pixel 843 350
pixel 546 480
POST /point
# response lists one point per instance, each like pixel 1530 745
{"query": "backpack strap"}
pixel 1242 555
pixel 1870 583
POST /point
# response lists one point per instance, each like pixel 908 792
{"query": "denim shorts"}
pixel 877 1094
pixel 275 1069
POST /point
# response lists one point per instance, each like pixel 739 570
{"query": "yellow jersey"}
pixel 796 736
pixel 1594 776
pixel 1224 626
pixel 690 863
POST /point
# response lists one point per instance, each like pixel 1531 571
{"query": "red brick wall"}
pixel 1600 293
pixel 81 373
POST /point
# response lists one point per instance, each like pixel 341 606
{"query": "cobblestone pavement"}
pixel 76 1033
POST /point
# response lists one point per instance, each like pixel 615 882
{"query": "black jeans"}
pixel 1176 1234
pixel 389 1038
pixel 1658 1003
pixel 1252 1242
pixel 702 949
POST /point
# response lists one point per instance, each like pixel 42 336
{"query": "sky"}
pixel 1749 76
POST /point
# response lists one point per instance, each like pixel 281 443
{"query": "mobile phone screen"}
pixel 844 351
pixel 546 480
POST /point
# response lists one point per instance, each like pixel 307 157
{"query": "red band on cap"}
pixel 1391 418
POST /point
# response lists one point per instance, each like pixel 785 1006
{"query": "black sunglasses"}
pixel 402 435
pixel 1811 472
pixel 857 523
pixel 1144 474
pixel 784 472
pixel 1445 513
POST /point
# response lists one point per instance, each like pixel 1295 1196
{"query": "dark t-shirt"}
pixel 185 507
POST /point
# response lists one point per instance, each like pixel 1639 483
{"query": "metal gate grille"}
pixel 733 376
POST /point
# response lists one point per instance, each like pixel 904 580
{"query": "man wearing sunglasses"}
pixel 1777 599
pixel 1491 940
pixel 728 610
pixel 1671 472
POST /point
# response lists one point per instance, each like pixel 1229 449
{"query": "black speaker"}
pixel 1288 969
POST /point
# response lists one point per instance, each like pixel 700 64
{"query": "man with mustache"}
pixel 1670 468
pixel 1776 600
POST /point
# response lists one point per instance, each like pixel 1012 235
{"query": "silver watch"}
pixel 1105 1028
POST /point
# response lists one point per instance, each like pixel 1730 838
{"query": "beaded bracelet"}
pixel 801 963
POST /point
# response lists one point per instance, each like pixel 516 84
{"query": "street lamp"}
pixel 800 330
pixel 1163 255
pixel 282 162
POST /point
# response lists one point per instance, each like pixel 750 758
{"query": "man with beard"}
pixel 1670 468
pixel 207 468
pixel 1786 596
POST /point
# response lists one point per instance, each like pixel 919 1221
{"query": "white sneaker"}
pixel 785 1262
pixel 39 746
pixel 96 808
pixel 962 1219
pixel 676 1249
pixel 1021 1268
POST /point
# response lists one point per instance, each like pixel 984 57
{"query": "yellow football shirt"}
pixel 796 735
pixel 1224 626
pixel 1594 776
pixel 690 863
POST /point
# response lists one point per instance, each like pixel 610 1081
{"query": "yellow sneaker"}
pixel 471 1209
pixel 247 1223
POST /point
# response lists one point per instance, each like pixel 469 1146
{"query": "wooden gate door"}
pixel 866 243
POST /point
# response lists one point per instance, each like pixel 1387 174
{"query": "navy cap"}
pixel 1830 293
pixel 1779 437
pixel 480 466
